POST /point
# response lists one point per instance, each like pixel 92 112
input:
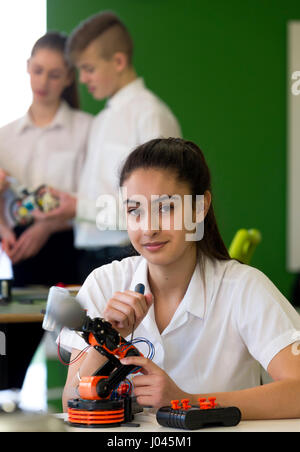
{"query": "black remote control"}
pixel 195 418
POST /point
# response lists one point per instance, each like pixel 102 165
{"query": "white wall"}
pixel 22 22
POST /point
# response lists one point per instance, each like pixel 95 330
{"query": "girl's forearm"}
pixel 86 366
pixel 3 221
pixel 69 393
pixel 53 225
pixel 278 400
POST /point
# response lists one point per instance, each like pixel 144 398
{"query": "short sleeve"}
pixel 266 320
pixel 93 301
pixel 97 289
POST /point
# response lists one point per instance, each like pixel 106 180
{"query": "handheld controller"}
pixel 208 414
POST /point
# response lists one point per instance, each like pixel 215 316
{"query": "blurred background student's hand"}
pixel 30 242
pixel 8 239
pixel 4 184
pixel 66 209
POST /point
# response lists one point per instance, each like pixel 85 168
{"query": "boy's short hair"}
pixel 109 28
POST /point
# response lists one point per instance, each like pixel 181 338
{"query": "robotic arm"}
pixel 106 340
pixel 95 405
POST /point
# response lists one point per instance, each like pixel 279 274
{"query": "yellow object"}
pixel 244 244
pixel 23 212
pixel 48 202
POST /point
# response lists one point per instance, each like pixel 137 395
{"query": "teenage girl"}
pixel 212 320
pixel 46 146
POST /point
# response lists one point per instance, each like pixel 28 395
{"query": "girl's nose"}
pixel 43 81
pixel 83 77
pixel 151 224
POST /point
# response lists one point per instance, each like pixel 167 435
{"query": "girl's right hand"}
pixel 125 310
pixel 8 239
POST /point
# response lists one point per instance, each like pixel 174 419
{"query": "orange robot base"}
pixel 91 410
pixel 95 413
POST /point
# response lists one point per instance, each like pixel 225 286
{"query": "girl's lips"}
pixel 154 246
pixel 41 93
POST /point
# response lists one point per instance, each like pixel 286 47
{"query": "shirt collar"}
pixel 126 93
pixel 198 293
pixel 62 118
pixel 201 288
pixel 24 123
pixel 141 276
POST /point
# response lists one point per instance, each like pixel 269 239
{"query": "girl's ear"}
pixel 28 64
pixel 202 207
pixel 207 202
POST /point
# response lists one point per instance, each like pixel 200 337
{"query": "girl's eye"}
pixel 55 76
pixel 134 212
pixel 52 75
pixel 166 208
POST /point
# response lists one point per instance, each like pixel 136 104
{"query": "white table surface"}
pixel 149 424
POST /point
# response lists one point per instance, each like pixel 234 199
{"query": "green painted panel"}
pixel 221 66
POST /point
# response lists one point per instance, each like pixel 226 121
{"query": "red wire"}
pixel 73 360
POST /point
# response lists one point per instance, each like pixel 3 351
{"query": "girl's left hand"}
pixel 155 388
pixel 30 242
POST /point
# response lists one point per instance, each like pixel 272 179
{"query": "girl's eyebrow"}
pixel 53 70
pixel 128 201
pixel 164 198
pixel 57 69
pixel 160 199
pixel 37 65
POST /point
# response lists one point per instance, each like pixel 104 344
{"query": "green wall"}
pixel 221 66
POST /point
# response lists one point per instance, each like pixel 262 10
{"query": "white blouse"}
pixel 51 155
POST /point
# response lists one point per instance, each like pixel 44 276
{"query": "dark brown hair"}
pixel 114 36
pixel 187 162
pixel 54 40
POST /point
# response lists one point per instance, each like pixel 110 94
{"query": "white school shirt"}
pixel 131 117
pixel 51 155
pixel 215 342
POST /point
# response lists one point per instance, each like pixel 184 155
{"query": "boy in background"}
pixel 102 50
